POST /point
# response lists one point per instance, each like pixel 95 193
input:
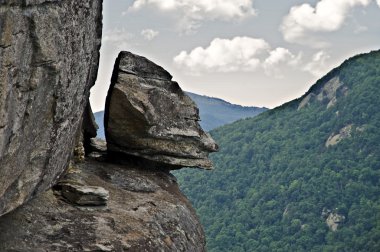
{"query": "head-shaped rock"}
pixel 149 116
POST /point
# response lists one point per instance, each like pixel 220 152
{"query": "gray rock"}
pixel 84 195
pixel 344 133
pixel 48 62
pixel 148 115
pixel 98 145
pixel 156 217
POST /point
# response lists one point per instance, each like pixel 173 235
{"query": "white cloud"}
pixel 224 55
pixel 277 59
pixel 191 13
pixel 378 2
pixel 240 54
pixel 318 66
pixel 326 16
pixel 149 34
pixel 245 54
pixel 118 38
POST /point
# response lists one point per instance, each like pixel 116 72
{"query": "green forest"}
pixel 280 176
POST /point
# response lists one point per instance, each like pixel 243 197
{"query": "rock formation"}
pixel 145 211
pixel 327 94
pixel 333 219
pixel 48 62
pixel 344 133
pixel 148 115
pixel 49 53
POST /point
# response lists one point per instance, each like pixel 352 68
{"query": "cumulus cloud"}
pixel 277 59
pixel 240 54
pixel 326 16
pixel 224 55
pixel 149 34
pixel 191 13
pixel 318 66
pixel 378 2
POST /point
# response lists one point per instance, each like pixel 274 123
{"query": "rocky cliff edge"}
pixel 120 199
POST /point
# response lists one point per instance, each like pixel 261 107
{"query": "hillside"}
pixel 302 177
pixel 213 112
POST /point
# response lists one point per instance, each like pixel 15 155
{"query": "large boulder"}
pixel 100 206
pixel 148 115
pixel 49 53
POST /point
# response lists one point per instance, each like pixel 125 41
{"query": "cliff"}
pixel 301 177
pixel 49 53
pixel 61 189
pixel 145 211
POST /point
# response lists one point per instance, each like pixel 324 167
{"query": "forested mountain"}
pixel 302 177
pixel 214 112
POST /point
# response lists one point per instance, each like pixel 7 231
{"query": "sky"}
pixel 250 52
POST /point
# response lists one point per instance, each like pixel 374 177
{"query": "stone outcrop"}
pixel 145 211
pixel 328 94
pixel 49 53
pixel 48 62
pixel 148 115
pixel 83 195
pixel 333 219
pixel 344 133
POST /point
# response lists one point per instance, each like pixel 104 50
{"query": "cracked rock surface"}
pixel 49 53
pixel 145 211
pixel 149 116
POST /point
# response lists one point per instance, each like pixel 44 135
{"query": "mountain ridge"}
pixel 299 178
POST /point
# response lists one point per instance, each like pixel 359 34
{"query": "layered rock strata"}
pixel 129 209
pixel 148 115
pixel 49 53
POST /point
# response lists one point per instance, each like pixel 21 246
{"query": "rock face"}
pixel 328 94
pixel 333 219
pixel 344 133
pixel 149 116
pixel 85 195
pixel 48 62
pixel 145 211
pixel 49 52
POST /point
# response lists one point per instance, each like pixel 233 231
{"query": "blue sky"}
pixel 249 52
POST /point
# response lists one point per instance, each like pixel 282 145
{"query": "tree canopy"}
pixel 277 180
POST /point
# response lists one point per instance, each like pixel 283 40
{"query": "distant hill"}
pixel 302 177
pixel 214 112
pixel 99 116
